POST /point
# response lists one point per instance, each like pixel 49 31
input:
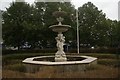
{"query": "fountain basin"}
pixel 59 28
pixel 44 63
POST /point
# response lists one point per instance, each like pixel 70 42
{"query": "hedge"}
pixel 29 51
pixel 99 50
pixel 82 50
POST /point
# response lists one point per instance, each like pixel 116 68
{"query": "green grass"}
pixel 17 58
pixel 16 67
pixel 107 66
pixel 109 62
pixel 101 55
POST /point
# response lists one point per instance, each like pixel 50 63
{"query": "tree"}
pixel 92 26
pixel 36 24
pixel 24 23
pixel 48 19
pixel 117 33
pixel 114 33
pixel 14 23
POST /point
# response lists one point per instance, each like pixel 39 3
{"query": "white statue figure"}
pixel 60 43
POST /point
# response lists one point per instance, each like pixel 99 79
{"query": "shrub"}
pixel 82 50
pixel 103 56
pixel 96 50
pixel 29 51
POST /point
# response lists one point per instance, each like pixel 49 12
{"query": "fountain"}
pixel 61 61
pixel 60 54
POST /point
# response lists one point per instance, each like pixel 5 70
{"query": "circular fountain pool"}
pixel 49 60
pixel 45 63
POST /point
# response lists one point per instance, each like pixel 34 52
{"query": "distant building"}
pixel 119 10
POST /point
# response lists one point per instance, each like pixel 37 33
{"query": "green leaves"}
pixel 30 23
pixel 14 22
pixel 25 23
pixel 93 25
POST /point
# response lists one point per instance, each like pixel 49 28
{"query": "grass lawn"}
pixel 107 67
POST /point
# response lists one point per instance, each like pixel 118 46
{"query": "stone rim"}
pixel 85 61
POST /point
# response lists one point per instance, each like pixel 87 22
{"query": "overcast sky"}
pixel 110 8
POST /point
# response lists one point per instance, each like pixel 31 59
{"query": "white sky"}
pixel 110 8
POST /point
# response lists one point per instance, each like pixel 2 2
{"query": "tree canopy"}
pixel 92 26
pixel 24 23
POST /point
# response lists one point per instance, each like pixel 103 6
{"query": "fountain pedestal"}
pixel 60 54
pixel 60 39
pixel 60 59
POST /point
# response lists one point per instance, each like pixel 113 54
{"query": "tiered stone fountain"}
pixel 60 54
pixel 60 61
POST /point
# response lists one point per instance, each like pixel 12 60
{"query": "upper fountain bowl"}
pixel 59 13
pixel 59 28
pixel 59 16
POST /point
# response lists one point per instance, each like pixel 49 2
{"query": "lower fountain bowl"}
pixel 59 28
pixel 44 63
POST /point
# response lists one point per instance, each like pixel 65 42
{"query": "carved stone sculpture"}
pixel 60 39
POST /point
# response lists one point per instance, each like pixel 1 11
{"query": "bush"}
pixel 82 50
pixel 29 51
pixel 96 50
pixel 18 57
pixel 103 56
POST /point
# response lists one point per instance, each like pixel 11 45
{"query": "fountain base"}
pixel 60 59
pixel 60 56
pixel 45 63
